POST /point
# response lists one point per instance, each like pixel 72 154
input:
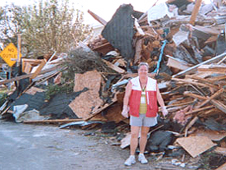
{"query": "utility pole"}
pixel 18 50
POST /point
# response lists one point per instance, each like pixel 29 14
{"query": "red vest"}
pixel 151 97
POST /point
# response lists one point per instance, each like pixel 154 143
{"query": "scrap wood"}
pixel 37 71
pixel 26 68
pixel 48 75
pixel 180 104
pixel 51 121
pixel 88 101
pixel 176 63
pixel 210 98
pixel 194 68
pixel 222 167
pixel 189 125
pixel 114 67
pixel 96 17
pixel 193 82
pixel 196 96
pixel 202 80
pixel 221 69
pixel 99 110
pixel 195 145
pixel 220 150
pixel 212 134
pixel 28 75
pixel 138 50
pixel 218 104
pixel 199 109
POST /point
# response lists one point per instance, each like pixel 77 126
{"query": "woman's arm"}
pixel 161 102
pixel 126 100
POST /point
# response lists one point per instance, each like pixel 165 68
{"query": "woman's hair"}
pixel 143 64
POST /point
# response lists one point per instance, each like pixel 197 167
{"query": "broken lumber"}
pixel 194 68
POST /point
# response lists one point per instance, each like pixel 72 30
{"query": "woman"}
pixel 140 101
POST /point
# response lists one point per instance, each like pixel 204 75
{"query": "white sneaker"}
pixel 142 158
pixel 131 160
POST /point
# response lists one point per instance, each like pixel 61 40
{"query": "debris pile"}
pixel 184 46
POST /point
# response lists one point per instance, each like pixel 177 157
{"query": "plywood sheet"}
pixel 213 135
pixel 222 167
pixel 90 79
pixel 195 145
pixel 89 101
pixel 85 103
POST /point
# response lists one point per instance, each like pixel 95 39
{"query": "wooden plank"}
pixel 210 98
pixel 195 145
pixel 190 94
pixel 96 17
pixel 200 109
pixel 175 63
pixel 212 134
pixel 138 50
pixel 38 69
pixel 27 68
pixel 192 81
pixel 195 12
pixel 194 68
pixel 51 121
pixel 28 75
pixel 218 104
pixel 212 69
pixel 189 125
pixel 114 67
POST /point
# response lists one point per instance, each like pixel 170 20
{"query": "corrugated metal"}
pixel 119 30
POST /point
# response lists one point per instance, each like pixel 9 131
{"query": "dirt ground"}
pixel 47 147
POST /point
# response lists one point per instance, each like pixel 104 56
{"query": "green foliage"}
pixel 80 61
pixel 45 27
pixel 3 97
pixel 52 90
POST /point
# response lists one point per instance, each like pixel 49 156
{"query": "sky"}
pixel 103 8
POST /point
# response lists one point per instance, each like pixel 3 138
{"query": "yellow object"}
pixel 143 103
pixel 9 54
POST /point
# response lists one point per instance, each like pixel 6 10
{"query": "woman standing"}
pixel 140 101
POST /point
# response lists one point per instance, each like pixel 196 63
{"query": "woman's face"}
pixel 143 71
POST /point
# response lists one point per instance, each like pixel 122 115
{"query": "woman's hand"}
pixel 164 111
pixel 125 111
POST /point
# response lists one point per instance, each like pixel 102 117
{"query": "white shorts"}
pixel 142 120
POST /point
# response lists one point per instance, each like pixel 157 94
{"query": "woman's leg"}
pixel 143 138
pixel 134 139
